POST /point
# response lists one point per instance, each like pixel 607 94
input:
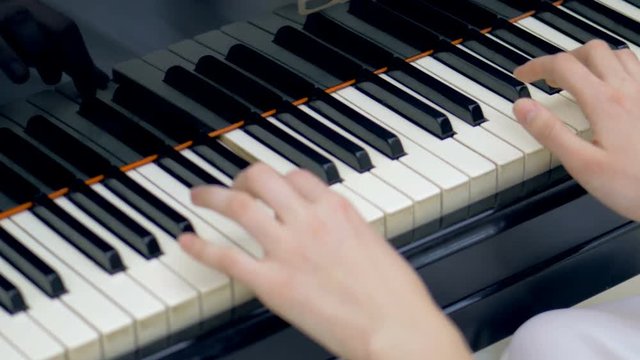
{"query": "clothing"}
pixel 602 332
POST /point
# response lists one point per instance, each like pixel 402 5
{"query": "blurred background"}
pixel 118 30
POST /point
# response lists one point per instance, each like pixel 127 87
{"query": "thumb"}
pixel 575 153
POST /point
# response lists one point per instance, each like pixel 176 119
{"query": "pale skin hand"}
pixel 325 270
pixel 606 84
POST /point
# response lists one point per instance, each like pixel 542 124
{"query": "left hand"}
pixel 325 270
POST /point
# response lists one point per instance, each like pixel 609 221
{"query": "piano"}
pixel 402 106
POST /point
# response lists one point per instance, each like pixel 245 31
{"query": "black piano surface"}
pixel 540 245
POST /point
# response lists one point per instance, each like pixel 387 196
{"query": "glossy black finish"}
pixel 36 270
pixel 10 298
pixel 523 40
pixel 606 17
pixel 88 243
pixel 382 91
pixel 221 157
pixel 185 171
pixel 116 222
pixel 636 3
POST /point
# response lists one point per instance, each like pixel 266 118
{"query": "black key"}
pixel 339 146
pixel 221 103
pixel 145 79
pixel 370 54
pixel 636 3
pixel 452 29
pixel 424 39
pixel 221 157
pixel 185 171
pixel 36 270
pixel 234 80
pixel 294 150
pixel 147 204
pixel 117 222
pixel 576 28
pixel 10 297
pixel 72 148
pixel 91 245
pixel 384 92
pixel 250 91
pixel 606 17
pixel 295 87
pixel 523 40
pixel 475 16
pixel 14 187
pixel 263 42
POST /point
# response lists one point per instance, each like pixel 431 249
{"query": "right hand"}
pixel 34 35
pixel 606 85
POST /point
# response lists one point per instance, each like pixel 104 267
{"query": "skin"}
pixel 321 251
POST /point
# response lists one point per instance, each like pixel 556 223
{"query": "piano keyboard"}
pixel 407 121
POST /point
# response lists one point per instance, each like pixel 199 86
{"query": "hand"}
pixel 34 35
pixel 325 270
pixel 606 85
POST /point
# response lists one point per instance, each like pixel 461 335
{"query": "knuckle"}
pixel 254 174
pixel 239 205
pixel 339 204
pixel 595 46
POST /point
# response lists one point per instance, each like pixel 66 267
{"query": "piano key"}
pixel 23 333
pixel 150 320
pixel 184 171
pixel 281 78
pixel 178 299
pixel 566 109
pixel 376 57
pixel 114 326
pixel 37 270
pixel 424 40
pixel 481 172
pixel 64 144
pixel 453 184
pixel 76 234
pixel 225 105
pixel 221 157
pixel 207 166
pixel 548 33
pixel 10 297
pixel 383 213
pixel 204 280
pixel 574 27
pixel 509 161
pixel 341 66
pixel 424 195
pixel 522 40
pixel 613 21
pixel 9 351
pixel 130 232
pixel 624 7
pixel 78 338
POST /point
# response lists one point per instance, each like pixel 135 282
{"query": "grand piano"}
pixel 402 106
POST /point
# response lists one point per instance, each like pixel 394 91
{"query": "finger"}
pixel 575 154
pixel 563 70
pixel 264 183
pixel 242 208
pixel 229 260
pixel 10 64
pixel 598 57
pixel 629 62
pixel 307 185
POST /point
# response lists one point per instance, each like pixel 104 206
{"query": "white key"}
pixel 509 161
pixel 180 301
pixel 196 159
pixel 200 277
pixel 9 352
pixel 117 334
pixel 634 48
pixel 220 291
pixel 623 7
pixel 29 337
pixel 78 338
pixel 382 217
pixel 548 33
pixel 423 195
pixel 453 184
pixel 482 172
pixel 563 107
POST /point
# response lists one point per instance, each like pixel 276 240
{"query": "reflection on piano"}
pixel 403 107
